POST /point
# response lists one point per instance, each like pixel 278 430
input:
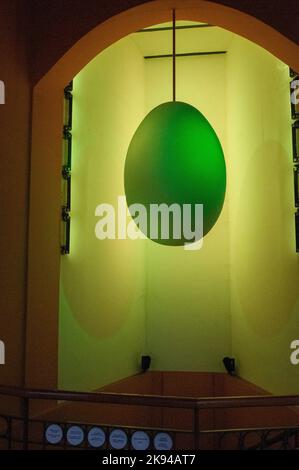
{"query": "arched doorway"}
pixel 44 234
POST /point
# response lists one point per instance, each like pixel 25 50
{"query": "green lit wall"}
pixel 188 293
pixel 238 294
pixel 264 264
pixel 102 283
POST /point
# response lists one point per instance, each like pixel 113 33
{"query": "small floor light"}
pixel 229 364
pixel 145 363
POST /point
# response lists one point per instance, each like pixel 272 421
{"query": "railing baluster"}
pixel 25 413
pixel 8 432
pixel 196 428
pixel 286 436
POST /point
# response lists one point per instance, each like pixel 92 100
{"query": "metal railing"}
pixel 285 437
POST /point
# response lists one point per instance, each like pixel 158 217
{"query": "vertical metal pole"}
pixel 173 55
pixel 9 431
pixel 196 428
pixel 25 422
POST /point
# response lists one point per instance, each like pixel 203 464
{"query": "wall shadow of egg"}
pixel 175 157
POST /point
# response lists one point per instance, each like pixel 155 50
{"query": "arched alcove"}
pixel 44 231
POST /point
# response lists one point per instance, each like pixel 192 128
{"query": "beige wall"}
pixel 188 292
pixel 264 262
pixel 238 294
pixel 14 129
pixel 121 298
pixel 102 291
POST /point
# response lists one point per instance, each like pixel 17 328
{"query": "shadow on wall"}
pixel 266 271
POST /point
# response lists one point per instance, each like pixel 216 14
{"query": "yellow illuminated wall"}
pixel 264 263
pixel 101 331
pixel 238 294
pixel 188 293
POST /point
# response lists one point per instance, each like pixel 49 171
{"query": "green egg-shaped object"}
pixel 175 157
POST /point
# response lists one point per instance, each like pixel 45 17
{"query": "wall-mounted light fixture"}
pixel 294 97
pixel 66 169
pixel 296 186
pixel 295 139
pixel 294 90
pixel 297 230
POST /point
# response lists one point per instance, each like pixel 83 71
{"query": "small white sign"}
pixel 118 439
pixel 2 92
pixel 75 435
pixel 54 434
pixel 140 440
pixel 96 437
pixel 163 441
pixel 2 353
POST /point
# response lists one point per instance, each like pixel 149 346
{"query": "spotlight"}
pixel 145 363
pixel 295 139
pixel 229 364
pixel 294 101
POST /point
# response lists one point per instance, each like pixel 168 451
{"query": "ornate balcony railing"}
pixel 29 431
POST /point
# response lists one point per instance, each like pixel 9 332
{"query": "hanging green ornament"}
pixel 175 157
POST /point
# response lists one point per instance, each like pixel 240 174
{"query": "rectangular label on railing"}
pixel 2 353
pixel 2 92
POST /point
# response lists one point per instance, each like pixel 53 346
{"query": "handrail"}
pixel 191 403
pixel 152 400
pixel 275 440
pixel 265 442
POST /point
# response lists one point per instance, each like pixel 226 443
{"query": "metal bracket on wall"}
pixel 66 169
pixel 295 141
pixel 294 84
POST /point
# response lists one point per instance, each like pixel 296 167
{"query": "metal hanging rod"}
pixel 169 28
pixel 186 54
pixel 174 55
